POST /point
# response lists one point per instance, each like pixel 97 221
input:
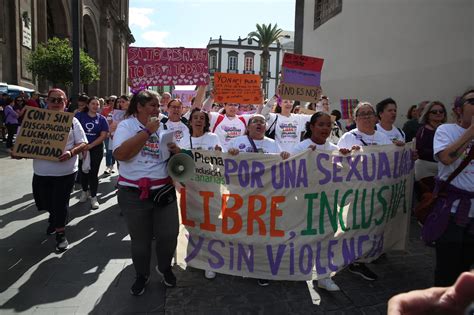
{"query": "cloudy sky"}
pixel 180 23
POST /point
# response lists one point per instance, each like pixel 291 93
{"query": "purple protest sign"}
pixel 153 66
pixel 301 77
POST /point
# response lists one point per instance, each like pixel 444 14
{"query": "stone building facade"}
pixel 104 35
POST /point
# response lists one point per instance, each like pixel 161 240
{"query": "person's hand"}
pixel 217 148
pixel 451 300
pixel 344 151
pixel 398 143
pixel 233 151
pixel 65 156
pixel 153 124
pixel 173 148
pixel 13 156
pixel 284 155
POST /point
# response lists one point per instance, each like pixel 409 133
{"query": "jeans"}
pixel 109 158
pixel 91 179
pixel 52 193
pixel 146 220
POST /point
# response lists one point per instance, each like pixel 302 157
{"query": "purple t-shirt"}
pixel 92 126
pixel 11 116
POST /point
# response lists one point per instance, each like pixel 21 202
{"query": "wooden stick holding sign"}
pixel 43 134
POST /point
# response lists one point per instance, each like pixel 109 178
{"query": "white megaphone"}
pixel 181 167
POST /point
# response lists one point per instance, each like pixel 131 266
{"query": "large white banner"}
pixel 258 216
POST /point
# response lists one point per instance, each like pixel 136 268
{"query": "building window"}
pixel 212 59
pixel 249 62
pixel 324 10
pixel 233 62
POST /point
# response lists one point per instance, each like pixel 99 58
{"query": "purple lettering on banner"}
pixel 302 180
pixel 309 261
pixel 336 168
pixel 348 251
pixel 352 161
pixel 301 77
pixel 275 263
pixel 243 255
pixel 290 173
pixel 244 176
pixel 331 266
pixel 366 167
pixel 196 247
pixel 258 169
pixel 384 166
pixel 320 270
pixel 360 244
pixel 219 258
pixel 327 173
pixel 396 165
pixel 230 166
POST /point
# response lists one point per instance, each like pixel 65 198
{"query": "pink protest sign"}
pixel 184 96
pixel 153 66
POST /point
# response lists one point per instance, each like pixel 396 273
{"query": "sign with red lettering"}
pixel 237 88
pixel 302 62
pixel 153 66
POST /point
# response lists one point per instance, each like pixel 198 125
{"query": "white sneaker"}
pixel 208 274
pixel 84 196
pixel 328 284
pixel 94 203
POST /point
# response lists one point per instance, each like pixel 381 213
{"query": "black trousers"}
pixel 91 180
pixel 52 193
pixel 11 129
pixel 454 254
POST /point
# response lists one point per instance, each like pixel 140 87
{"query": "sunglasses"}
pixel 437 111
pixel 469 101
pixel 56 100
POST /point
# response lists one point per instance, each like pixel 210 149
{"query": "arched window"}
pixel 249 62
pixel 212 60
pixel 233 62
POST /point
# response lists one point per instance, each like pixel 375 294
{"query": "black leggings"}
pixel 11 129
pixel 52 193
pixel 91 179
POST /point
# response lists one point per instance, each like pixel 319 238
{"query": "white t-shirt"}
pixel 181 131
pixel 445 135
pixel 394 134
pixel 356 137
pixel 56 168
pixel 147 163
pixel 288 129
pixel 228 128
pixel 304 145
pixel 266 145
pixel 207 141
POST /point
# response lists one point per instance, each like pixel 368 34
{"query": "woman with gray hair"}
pixel 426 168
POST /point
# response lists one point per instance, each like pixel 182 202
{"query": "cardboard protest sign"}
pixel 302 77
pixel 302 62
pixel 347 108
pixel 153 66
pixel 43 134
pixel 307 111
pixel 185 96
pixel 255 215
pixel 237 88
pixel 300 92
pixel 118 115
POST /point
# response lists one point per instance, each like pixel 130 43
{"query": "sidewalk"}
pixel 95 274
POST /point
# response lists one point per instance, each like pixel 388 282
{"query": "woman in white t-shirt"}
pixel 452 144
pixel 200 137
pixel 318 131
pixel 143 177
pixel 288 127
pixel 53 180
pixel 387 113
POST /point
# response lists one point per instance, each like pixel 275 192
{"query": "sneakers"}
pixel 263 282
pixel 169 279
pixel 208 274
pixel 328 284
pixel 94 203
pixel 61 242
pixel 51 230
pixel 138 287
pixel 84 196
pixel 362 270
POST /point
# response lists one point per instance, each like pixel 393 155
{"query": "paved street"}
pixel 95 274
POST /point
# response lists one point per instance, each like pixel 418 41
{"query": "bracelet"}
pixel 147 131
pixel 72 154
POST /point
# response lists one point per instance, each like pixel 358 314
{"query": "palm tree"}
pixel 265 36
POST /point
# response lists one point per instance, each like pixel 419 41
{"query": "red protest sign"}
pixel 294 61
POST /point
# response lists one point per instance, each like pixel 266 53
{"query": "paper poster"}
pixel 185 96
pixel 237 88
pixel 43 134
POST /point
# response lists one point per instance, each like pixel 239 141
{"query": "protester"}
pixel 53 180
pixel 453 300
pixel 452 144
pixel 96 128
pixel 426 167
pixel 387 113
pixel 122 104
pixel 363 135
pixel 175 123
pixel 11 121
pixel 164 100
pixel 143 175
pixel 34 100
pixel 411 127
pixel 109 161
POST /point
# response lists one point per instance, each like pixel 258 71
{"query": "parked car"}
pixel 14 90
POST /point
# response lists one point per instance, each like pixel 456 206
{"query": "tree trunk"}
pixel 265 55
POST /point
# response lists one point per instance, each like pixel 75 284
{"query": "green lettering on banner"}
pixel 383 202
pixel 309 215
pixel 332 214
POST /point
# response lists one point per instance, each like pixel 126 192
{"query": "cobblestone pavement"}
pixel 95 274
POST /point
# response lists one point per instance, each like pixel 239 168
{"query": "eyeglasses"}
pixel 56 100
pixel 365 115
pixel 469 101
pixel 437 111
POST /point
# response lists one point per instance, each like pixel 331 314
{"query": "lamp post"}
pixel 76 74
